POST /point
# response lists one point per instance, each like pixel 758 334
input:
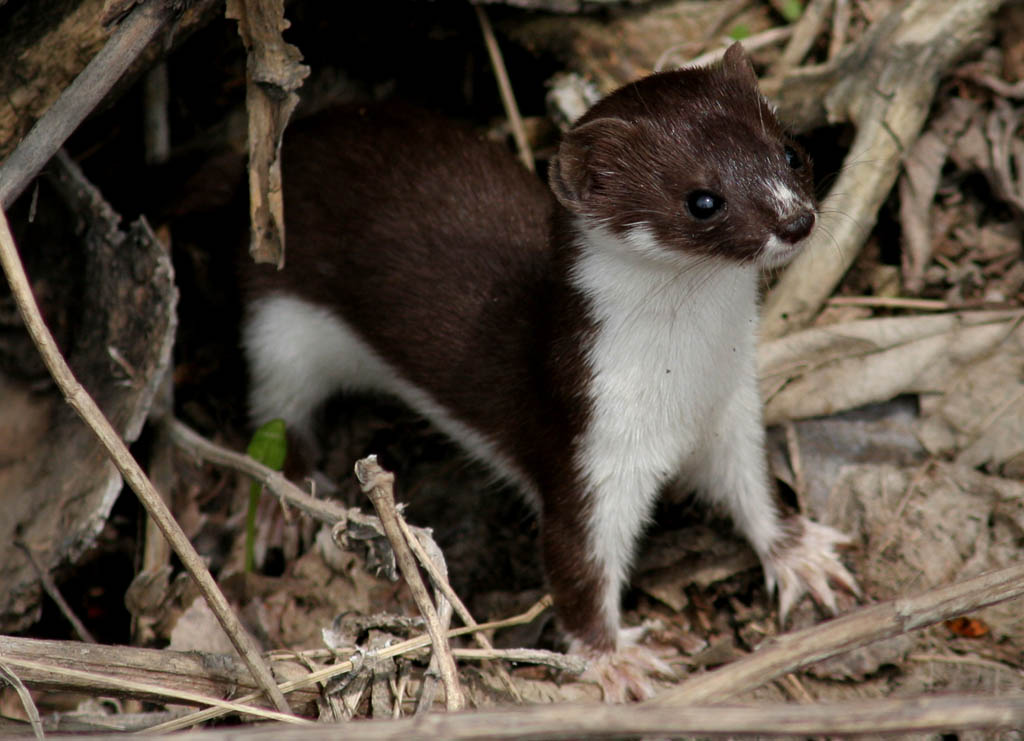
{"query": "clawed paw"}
pixel 625 674
pixel 806 562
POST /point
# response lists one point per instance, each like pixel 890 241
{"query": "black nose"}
pixel 795 228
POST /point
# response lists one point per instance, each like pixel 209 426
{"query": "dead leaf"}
pixel 965 627
pixel 825 370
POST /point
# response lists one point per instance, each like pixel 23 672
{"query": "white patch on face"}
pixel 674 342
pixel 786 200
pixel 300 354
pixel 777 253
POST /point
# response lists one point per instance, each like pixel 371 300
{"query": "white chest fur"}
pixel 674 344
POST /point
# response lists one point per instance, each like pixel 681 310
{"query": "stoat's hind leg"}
pixel 626 673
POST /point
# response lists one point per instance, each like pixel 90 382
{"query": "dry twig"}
pixel 207 674
pixel 51 589
pixel 377 484
pixel 273 481
pixel 441 583
pixel 508 98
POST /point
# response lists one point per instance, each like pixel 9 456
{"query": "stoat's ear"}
pixel 586 156
pixel 737 62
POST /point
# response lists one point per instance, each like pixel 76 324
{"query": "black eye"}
pixel 793 158
pixel 704 204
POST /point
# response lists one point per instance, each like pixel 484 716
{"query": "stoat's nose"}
pixel 795 228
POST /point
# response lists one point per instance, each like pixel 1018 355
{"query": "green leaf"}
pixel 269 446
pixel 739 32
pixel 791 9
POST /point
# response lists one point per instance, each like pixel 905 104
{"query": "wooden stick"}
pixel 195 444
pixel 599 721
pixel 508 99
pixel 79 98
pixel 125 685
pixel 51 589
pixel 378 485
pixel 200 673
pixel 801 648
pixel 893 302
pixel 324 511
pixel 87 409
pixel 441 583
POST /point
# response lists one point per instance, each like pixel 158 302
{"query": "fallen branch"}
pixel 102 682
pixel 199 673
pixel 273 481
pixel 50 587
pixel 793 651
pixel 440 582
pixel 321 510
pixel 273 74
pixel 909 715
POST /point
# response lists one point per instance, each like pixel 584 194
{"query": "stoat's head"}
pixel 694 157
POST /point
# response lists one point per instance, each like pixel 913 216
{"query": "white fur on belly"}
pixel 675 339
pixel 300 354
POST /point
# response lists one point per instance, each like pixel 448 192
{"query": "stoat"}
pixel 590 341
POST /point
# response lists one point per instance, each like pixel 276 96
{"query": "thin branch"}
pixel 195 444
pixel 508 99
pixel 79 98
pixel 894 302
pixel 87 409
pixel 751 44
pixel 563 662
pixel 801 648
pixel 378 485
pixel 441 583
pixel 202 673
pixel 323 511
pixel 51 589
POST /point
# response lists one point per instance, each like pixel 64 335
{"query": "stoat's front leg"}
pixel 798 555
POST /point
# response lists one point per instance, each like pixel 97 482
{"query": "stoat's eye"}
pixel 703 204
pixel 793 158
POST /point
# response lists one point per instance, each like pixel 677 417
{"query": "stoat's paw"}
pixel 625 674
pixel 805 560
